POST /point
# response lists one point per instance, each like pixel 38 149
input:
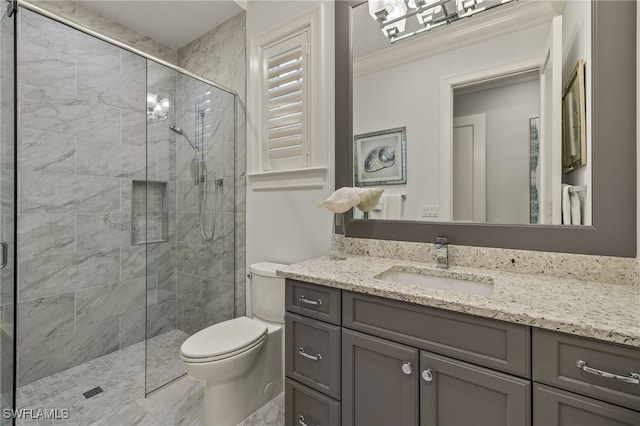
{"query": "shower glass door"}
pixel 190 214
pixel 7 208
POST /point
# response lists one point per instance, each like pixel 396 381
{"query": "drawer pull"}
pixel 308 356
pixel 301 421
pixel 633 378
pixel 309 302
pixel 407 368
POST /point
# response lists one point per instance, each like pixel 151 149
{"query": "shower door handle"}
pixel 5 253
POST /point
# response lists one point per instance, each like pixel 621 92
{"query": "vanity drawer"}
pixel 490 343
pixel 313 301
pixel 313 353
pixel 306 406
pixel 555 362
pixel 556 407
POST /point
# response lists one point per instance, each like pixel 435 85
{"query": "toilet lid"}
pixel 224 338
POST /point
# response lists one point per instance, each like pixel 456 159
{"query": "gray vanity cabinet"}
pixel 456 393
pixel 361 360
pixel 379 381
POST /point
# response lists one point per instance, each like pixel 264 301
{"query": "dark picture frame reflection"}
pixel 574 134
pixel 380 158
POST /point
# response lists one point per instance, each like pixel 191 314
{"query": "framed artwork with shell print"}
pixel 380 158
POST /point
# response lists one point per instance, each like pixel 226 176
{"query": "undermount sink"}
pixel 456 282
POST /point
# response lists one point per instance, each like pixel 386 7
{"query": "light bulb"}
pixel 152 100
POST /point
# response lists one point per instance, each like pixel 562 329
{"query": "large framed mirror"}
pixel 368 100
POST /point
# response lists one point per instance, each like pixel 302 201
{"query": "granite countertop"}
pixel 609 312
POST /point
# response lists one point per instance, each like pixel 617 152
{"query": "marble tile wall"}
pixel 82 285
pixel 220 56
pixel 80 13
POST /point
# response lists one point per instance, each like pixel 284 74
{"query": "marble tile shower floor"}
pixel 121 375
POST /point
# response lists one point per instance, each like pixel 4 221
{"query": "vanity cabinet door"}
pixel 454 393
pixel 555 407
pixel 379 381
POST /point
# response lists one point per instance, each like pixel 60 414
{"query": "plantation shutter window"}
pixel 285 94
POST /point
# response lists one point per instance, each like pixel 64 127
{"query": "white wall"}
pixel 410 96
pixel 508 110
pixel 285 226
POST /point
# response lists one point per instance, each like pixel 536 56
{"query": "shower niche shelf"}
pixel 149 212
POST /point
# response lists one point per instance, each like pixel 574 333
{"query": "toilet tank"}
pixel 267 292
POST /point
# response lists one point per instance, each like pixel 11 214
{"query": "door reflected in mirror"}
pixel 481 101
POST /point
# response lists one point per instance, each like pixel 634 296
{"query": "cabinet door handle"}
pixel 309 356
pixel 633 378
pixel 427 375
pixel 407 368
pixel 301 421
pixel 309 302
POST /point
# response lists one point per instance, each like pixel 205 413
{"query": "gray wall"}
pixel 508 110
pixel 219 55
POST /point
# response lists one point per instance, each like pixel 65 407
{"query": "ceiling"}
pixel 171 22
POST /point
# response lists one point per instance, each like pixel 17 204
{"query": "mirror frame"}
pixel 613 107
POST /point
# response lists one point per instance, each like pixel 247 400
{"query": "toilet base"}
pixel 230 402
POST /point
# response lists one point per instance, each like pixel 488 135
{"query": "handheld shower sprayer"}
pixel 181 132
pixel 200 173
pixel 201 181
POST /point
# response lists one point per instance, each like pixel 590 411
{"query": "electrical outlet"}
pixel 429 211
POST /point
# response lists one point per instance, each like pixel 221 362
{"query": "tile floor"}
pixel 121 375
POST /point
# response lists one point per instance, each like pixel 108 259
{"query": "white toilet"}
pixel 241 359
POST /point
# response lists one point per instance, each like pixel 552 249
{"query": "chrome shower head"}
pixel 181 132
pixel 177 130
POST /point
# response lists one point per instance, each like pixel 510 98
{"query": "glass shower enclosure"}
pixel 125 211
pixel 189 212
pixel 7 211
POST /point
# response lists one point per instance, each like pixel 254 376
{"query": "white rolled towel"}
pixel 566 205
pixel 574 201
pixel 345 198
pixel 393 206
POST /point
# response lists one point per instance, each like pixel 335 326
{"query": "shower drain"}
pixel 92 392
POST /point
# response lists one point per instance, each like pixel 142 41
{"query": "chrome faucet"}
pixel 442 253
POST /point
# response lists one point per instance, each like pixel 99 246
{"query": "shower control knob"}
pixel 407 368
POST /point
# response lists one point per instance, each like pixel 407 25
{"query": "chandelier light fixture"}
pixel 392 15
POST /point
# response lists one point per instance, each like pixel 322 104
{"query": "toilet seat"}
pixel 223 340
